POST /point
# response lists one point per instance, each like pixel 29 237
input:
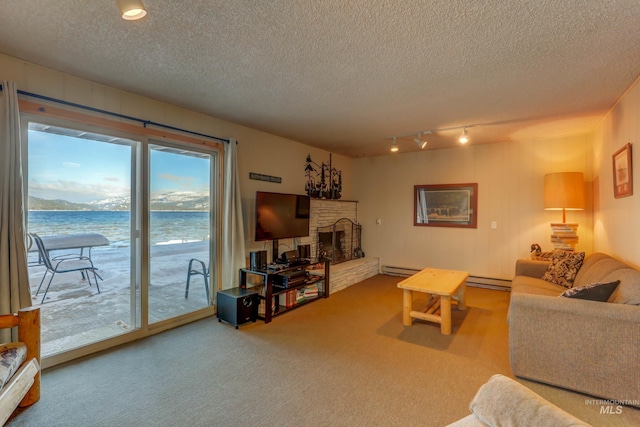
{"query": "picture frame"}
pixel 622 172
pixel 446 205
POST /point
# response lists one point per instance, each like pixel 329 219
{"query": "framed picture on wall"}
pixel 622 172
pixel 446 205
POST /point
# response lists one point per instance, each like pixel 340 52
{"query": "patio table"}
pixel 80 241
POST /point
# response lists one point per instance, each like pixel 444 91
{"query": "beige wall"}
pixel 615 220
pixel 257 151
pixel 510 192
pixel 510 178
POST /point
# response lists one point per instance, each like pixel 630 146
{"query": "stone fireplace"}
pixel 324 213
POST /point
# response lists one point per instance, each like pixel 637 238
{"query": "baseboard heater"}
pixel 474 281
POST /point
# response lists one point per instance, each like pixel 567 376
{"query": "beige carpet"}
pixel 343 361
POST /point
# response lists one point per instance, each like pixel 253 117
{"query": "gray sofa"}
pixel 587 346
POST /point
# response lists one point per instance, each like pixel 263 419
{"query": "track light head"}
pixel 419 142
pixel 394 147
pixel 464 138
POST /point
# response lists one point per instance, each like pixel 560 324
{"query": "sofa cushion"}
pixel 589 260
pixel 597 271
pixel 628 292
pixel 532 285
pixel 11 357
pixel 564 268
pixel 593 291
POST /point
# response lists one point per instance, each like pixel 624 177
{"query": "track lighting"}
pixel 131 9
pixel 394 147
pixel 464 138
pixel 421 137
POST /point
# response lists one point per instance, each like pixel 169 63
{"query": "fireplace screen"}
pixel 340 241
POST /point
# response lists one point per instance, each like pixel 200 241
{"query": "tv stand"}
pixel 288 288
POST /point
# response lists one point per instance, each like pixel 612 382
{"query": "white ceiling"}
pixel 346 75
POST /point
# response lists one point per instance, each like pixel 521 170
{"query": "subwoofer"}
pixel 237 306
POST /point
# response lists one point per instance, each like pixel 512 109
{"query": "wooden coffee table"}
pixel 441 286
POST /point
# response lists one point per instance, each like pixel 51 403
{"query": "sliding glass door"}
pixel 180 231
pixel 80 215
pixel 126 229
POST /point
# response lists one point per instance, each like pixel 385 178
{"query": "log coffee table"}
pixel 441 286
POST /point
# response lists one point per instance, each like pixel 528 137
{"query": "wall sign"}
pixel 267 178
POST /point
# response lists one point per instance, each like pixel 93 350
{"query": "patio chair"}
pixel 200 269
pixel 63 264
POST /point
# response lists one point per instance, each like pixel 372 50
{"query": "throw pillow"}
pixel 594 291
pixel 563 267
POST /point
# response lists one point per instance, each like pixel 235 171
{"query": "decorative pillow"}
pixel 594 291
pixel 564 267
pixel 11 357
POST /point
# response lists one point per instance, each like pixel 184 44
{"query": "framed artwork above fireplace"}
pixel 446 205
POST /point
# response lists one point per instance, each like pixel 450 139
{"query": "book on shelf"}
pixel 311 291
pixel 262 305
pixel 564 238
pixel 290 298
pixel 300 297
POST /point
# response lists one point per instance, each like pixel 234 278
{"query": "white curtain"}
pixel 233 251
pixel 14 277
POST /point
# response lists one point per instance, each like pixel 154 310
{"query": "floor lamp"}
pixel 564 191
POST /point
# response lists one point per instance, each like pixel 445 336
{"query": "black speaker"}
pixel 304 251
pixel 258 260
pixel 237 306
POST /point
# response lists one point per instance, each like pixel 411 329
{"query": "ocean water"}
pixel 165 227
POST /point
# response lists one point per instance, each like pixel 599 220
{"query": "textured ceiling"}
pixel 347 75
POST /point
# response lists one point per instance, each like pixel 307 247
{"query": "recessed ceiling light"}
pixel 131 9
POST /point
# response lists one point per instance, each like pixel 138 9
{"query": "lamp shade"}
pixel 564 190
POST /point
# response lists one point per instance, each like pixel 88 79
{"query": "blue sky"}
pixel 82 170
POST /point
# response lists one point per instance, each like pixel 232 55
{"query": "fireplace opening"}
pixel 340 241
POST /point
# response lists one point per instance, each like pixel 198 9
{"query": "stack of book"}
pixel 311 292
pixel 564 236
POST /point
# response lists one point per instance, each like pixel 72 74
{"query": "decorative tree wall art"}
pixel 323 181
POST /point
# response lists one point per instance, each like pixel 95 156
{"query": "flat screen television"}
pixel 281 216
